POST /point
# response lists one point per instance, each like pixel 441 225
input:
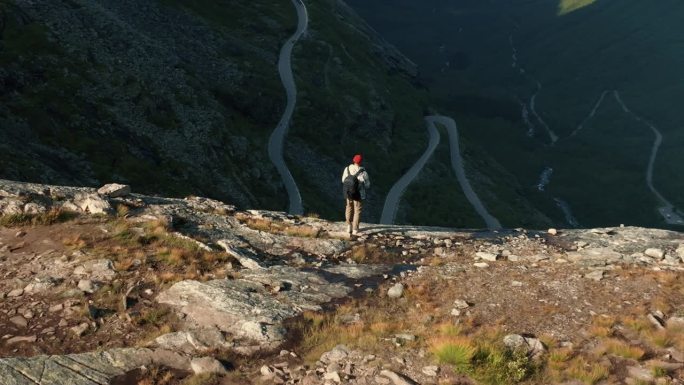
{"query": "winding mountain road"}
pixel 392 202
pixel 389 211
pixel 591 115
pixel 277 139
pixel 457 164
pixel 553 138
pixel 667 210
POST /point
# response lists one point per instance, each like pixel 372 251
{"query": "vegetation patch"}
pixel 281 228
pixel 50 217
pixel 483 356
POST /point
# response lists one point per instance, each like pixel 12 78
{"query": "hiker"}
pixel 355 181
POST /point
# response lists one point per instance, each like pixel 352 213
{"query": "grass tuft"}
pixel 455 351
pixel 50 217
pixel 622 349
pixel 281 228
pixel 588 373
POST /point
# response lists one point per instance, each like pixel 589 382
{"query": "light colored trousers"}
pixel 353 213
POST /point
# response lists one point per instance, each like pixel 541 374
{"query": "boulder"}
pixel 33 208
pixel 19 321
pixel 20 339
pixel 357 271
pixel 87 286
pixel 247 308
pixel 197 340
pixel 675 322
pixel 596 275
pixel 430 371
pixel 245 261
pixel 338 354
pixel 640 374
pixel 486 256
pixel 114 190
pixel 92 204
pixel 41 285
pixel 680 252
pixel 396 378
pixel 533 347
pixel 655 253
pixel 94 368
pixel 99 269
pixel 16 293
pixel 11 207
pixel 80 329
pixel 396 291
pixel 207 365
pixel 332 376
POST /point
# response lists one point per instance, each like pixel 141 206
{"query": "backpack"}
pixel 350 186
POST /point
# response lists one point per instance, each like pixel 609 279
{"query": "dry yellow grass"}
pixel 457 351
pixel 619 348
pixel 602 326
pixel 156 378
pixel 50 217
pixel 558 359
pixel 75 242
pixel 278 227
pixel 636 323
pixel 589 373
pixel 124 264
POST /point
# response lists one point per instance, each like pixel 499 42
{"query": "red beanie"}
pixel 357 159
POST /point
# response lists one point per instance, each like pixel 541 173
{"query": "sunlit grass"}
pixel 455 351
pixel 568 6
pixel 588 373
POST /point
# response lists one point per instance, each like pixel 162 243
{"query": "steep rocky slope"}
pixel 179 97
pixel 110 287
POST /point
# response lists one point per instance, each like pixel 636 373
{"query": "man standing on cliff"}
pixel 355 181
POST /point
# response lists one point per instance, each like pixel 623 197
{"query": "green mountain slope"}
pixel 180 96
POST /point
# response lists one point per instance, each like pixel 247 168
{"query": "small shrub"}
pixel 659 371
pixel 154 316
pixel 494 364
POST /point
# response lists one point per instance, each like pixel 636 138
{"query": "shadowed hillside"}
pixel 512 70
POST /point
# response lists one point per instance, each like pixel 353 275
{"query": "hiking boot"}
pixel 355 232
pixel 349 229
